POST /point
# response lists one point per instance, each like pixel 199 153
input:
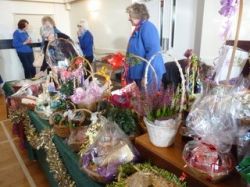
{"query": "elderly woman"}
pixel 85 40
pixel 21 41
pixel 144 42
pixel 48 33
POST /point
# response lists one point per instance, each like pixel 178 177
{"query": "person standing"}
pixel 49 32
pixel 144 42
pixel 21 41
pixel 85 40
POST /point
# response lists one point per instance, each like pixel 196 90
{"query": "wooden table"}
pixel 171 159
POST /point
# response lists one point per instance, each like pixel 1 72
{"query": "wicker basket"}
pixel 201 174
pixel 83 112
pixel 92 107
pixel 62 130
pixel 155 132
pixel 245 121
pixel 51 118
pixel 73 143
pixel 142 124
pixel 94 175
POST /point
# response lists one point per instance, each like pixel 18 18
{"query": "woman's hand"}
pixel 51 37
pixel 28 41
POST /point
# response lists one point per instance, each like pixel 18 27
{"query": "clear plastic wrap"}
pixel 205 161
pixel 214 120
pixel 60 52
pixel 243 142
pixel 214 115
pixel 211 119
pixel 110 149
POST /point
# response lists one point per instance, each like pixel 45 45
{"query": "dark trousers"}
pixel 90 59
pixel 1 80
pixel 44 65
pixel 27 60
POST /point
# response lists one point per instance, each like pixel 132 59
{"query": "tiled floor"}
pixel 16 170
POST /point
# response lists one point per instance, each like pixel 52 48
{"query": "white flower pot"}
pixel 162 135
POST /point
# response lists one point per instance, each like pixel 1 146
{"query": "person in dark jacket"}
pixel 48 33
pixel 21 41
pixel 85 40
pixel 144 42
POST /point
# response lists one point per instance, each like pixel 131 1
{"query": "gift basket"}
pixel 55 118
pixel 97 122
pixel 63 128
pixel 77 137
pixel 92 91
pixel 160 107
pixel 110 149
pixel 212 121
pixel 206 162
pixel 27 93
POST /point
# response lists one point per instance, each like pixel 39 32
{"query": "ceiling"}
pixel 51 1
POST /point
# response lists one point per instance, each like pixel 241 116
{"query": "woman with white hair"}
pixel 85 40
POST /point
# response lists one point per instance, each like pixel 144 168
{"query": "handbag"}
pixel 38 59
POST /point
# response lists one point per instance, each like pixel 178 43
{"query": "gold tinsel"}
pixel 44 140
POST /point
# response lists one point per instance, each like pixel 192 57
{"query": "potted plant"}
pixel 161 117
pixel 160 107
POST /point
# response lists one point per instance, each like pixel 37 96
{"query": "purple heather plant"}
pixel 160 103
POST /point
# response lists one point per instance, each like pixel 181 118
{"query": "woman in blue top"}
pixel 21 41
pixel 144 42
pixel 85 40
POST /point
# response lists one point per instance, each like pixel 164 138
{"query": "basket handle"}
pixel 72 104
pixel 108 81
pixel 235 40
pixel 147 67
pixel 84 60
pixel 183 87
pixel 58 39
pixel 82 109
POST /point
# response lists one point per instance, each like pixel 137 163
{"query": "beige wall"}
pixel 212 21
pixel 10 66
pixel 108 22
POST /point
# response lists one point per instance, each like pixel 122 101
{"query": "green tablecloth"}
pixel 69 158
pixel 8 89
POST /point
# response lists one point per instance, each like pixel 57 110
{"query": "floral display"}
pixel 115 60
pixel 90 93
pixel 125 118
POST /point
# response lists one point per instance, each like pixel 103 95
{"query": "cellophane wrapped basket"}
pixel 206 162
pixel 110 149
